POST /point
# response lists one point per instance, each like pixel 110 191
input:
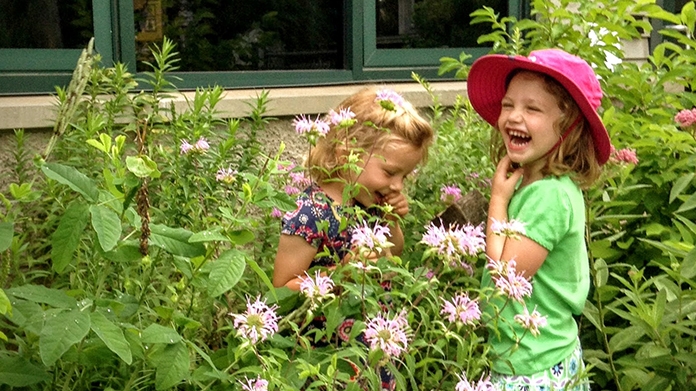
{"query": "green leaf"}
pixel 112 336
pixel 689 204
pixel 19 372
pixel 226 272
pixel 688 265
pixel 6 234
pixel 679 186
pixel 142 167
pixel 60 332
pixel 66 238
pixel 23 192
pixel 41 294
pixel 211 235
pixel 5 305
pixel 107 224
pixel 262 275
pixel 156 333
pixel 625 338
pixel 175 241
pixel 241 237
pixel 172 366
pixel 73 178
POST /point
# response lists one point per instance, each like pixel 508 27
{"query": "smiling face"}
pixel 528 119
pixel 385 170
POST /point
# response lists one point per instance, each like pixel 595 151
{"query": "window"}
pixel 240 43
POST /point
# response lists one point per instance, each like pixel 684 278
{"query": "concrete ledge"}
pixel 33 112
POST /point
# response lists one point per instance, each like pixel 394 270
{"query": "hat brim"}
pixel 486 89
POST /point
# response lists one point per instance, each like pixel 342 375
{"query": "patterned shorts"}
pixel 567 375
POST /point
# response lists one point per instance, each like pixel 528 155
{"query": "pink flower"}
pixel 312 129
pixel 389 99
pixel 462 309
pixel 450 194
pixel 226 175
pixel 258 323
pixel 370 239
pixel 276 213
pixel 464 384
pixel 625 155
pixel 686 118
pixel 317 288
pixel 508 281
pixel 512 229
pixel 291 190
pixel 343 118
pixel 201 145
pixel 387 335
pixel 286 167
pixel 257 384
pixel 299 179
pixel 185 148
pixel 455 242
pixel 531 322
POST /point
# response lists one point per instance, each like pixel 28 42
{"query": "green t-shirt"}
pixel 553 211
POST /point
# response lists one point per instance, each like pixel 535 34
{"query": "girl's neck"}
pixel 333 189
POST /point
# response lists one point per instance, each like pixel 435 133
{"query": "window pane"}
pixel 431 23
pixel 236 35
pixel 45 24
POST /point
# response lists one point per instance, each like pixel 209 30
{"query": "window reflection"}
pixel 431 23
pixel 45 24
pixel 237 35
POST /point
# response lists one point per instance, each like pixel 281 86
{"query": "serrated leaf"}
pixel 211 235
pixel 60 332
pixel 19 372
pixel 66 238
pixel 72 178
pixel 107 225
pixel 41 294
pixel 112 336
pixel 156 333
pixel 226 272
pixel 142 167
pixel 172 366
pixel 6 234
pixel 175 241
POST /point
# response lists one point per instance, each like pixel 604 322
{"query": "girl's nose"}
pixel 397 185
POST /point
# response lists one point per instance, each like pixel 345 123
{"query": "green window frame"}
pixel 27 71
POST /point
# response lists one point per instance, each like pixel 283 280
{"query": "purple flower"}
pixel 370 239
pixel 226 175
pixel 258 323
pixel 276 213
pixel 508 281
pixel 531 322
pixel 257 384
pixel 312 129
pixel 625 155
pixel 201 145
pixel 387 335
pixel 343 118
pixel 450 194
pixel 291 190
pixel 389 99
pixel 686 118
pixel 316 288
pixel 455 242
pixel 512 229
pixel 185 148
pixel 299 179
pixel 484 384
pixel 462 309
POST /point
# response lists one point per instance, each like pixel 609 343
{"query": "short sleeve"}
pixel 545 209
pixel 303 220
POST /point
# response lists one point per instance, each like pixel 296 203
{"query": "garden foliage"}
pixel 128 243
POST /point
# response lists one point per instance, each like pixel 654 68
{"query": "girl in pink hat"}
pixel 551 144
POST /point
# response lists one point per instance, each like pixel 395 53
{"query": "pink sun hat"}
pixel 488 78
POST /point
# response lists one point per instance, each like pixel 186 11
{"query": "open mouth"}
pixel 518 138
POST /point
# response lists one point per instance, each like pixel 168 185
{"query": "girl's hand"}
pixel 398 202
pixel 504 180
